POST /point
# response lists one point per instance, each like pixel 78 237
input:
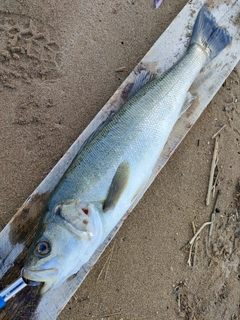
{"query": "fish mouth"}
pixel 44 275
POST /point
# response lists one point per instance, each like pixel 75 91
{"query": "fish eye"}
pixel 42 248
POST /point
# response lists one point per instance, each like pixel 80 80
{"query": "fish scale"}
pixel 136 134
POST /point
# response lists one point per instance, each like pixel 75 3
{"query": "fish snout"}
pixel 30 283
pixel 33 277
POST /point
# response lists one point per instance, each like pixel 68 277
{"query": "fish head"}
pixel 65 240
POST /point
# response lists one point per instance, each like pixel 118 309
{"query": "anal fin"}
pixel 187 103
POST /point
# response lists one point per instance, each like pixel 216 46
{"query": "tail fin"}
pixel 208 35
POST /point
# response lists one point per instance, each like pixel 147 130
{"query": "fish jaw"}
pixel 49 274
pixel 40 275
pixel 51 277
pixel 71 245
pixel 48 277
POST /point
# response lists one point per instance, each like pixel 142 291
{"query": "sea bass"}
pixel 115 164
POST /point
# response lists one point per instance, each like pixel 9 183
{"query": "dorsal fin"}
pixel 141 79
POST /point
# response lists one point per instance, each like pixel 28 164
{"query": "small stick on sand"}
pixel 194 227
pixel 100 273
pixel 197 233
pixel 121 69
pixel 75 296
pixel 106 264
pixel 191 242
pixel 195 254
pixel 213 166
pixel 189 262
pixel 215 180
pixel 237 214
pixel 179 301
pixel 109 260
pixel 217 133
pixel 213 217
pixel 195 249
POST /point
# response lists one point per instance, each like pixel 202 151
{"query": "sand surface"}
pixel 59 64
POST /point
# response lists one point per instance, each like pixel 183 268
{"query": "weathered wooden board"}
pixel 18 234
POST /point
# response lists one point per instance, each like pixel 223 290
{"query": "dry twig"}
pixel 198 232
pixel 189 262
pixel 215 180
pixel 217 133
pixel 107 263
pixel 121 69
pixel 213 166
pixel 109 260
pixel 192 243
pixel 213 217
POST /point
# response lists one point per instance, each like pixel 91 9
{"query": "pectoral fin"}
pixel 117 187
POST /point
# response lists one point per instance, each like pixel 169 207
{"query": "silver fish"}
pixel 114 165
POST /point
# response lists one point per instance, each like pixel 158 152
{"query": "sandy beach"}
pixel 84 50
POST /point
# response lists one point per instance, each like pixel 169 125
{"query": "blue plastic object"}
pixel 2 302
pixel 11 291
